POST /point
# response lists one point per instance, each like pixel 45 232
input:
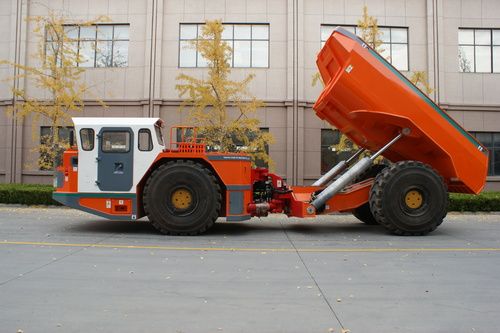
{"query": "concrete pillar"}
pixel 152 53
pixel 19 34
pixel 295 92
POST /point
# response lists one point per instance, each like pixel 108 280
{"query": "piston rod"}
pixel 337 169
pixel 390 143
pixel 357 169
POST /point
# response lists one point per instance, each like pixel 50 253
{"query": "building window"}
pixel 50 153
pixel 479 50
pixel 394 43
pixel 491 140
pixel 63 132
pixel 329 155
pixel 101 45
pixel 186 135
pixel 249 44
pixel 259 162
pixel 240 147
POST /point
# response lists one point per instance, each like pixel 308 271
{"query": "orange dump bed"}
pixel 370 101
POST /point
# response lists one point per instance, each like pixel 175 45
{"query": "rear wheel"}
pixel 409 198
pixel 363 212
pixel 182 198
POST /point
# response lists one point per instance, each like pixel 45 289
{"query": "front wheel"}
pixel 409 198
pixel 182 198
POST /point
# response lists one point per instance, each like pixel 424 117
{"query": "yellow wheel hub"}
pixel 181 199
pixel 414 199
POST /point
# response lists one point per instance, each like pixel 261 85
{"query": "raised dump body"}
pixel 370 101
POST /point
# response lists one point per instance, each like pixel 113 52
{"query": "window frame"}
pixel 230 42
pixel 240 146
pixel 92 136
pixel 78 40
pixel 390 43
pixel 327 146
pixel 258 162
pixel 71 132
pixel 474 46
pixel 492 149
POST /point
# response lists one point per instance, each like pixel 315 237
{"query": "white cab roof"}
pixel 113 121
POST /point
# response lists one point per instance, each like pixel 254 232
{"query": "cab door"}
pixel 115 159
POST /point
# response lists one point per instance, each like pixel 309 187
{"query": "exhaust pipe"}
pixel 357 169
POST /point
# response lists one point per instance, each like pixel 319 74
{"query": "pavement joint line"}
pixel 243 249
pixel 81 248
pixel 325 299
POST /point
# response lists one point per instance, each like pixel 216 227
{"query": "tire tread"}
pixel 376 197
pixel 214 213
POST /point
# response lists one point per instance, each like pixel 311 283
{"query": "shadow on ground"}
pixel 223 228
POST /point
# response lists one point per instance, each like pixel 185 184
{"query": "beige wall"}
pixel 4 151
pixel 269 84
pixel 473 99
pixel 6 45
pixel 466 88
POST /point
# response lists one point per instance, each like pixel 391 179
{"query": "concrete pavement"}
pixel 67 271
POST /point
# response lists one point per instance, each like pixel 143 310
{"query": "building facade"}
pixel 132 63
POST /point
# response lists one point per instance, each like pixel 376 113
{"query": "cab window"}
pixel 87 138
pixel 115 142
pixel 145 143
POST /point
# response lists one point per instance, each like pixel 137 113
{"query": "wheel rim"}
pixel 181 199
pixel 414 199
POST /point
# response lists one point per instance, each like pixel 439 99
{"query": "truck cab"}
pixel 114 153
pixel 99 175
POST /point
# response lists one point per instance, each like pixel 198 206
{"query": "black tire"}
pixel 363 212
pixel 409 198
pixel 182 198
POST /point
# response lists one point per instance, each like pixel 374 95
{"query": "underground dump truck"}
pixel 122 169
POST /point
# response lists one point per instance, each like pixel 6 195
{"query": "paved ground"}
pixel 67 271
